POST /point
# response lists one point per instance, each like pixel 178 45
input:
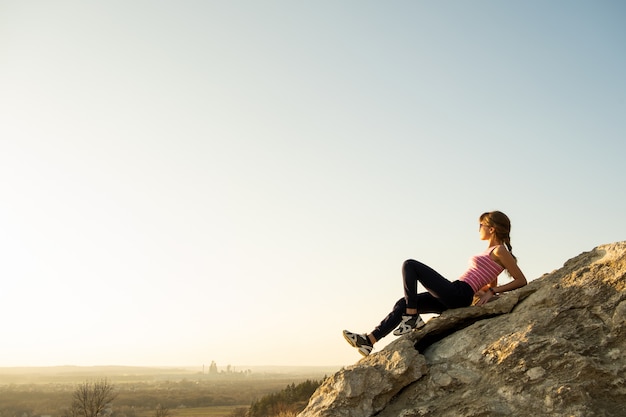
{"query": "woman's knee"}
pixel 409 263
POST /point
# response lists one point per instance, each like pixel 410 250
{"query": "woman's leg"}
pixel 391 321
pixel 426 304
pixel 443 292
pixel 442 295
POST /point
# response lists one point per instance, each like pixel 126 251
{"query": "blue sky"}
pixel 239 181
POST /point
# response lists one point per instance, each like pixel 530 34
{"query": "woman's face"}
pixel 485 230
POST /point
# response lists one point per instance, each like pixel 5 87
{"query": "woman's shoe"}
pixel 359 341
pixel 409 322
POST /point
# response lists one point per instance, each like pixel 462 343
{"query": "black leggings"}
pixel 442 295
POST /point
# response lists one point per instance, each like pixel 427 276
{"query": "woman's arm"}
pixel 504 258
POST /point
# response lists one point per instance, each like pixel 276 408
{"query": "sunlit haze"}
pixel 238 181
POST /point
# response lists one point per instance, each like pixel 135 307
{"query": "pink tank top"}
pixel 482 270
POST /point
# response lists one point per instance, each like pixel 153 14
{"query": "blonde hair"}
pixel 501 223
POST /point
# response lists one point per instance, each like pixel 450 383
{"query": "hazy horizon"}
pixel 189 368
pixel 238 182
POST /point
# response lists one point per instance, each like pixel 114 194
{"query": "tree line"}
pixel 288 402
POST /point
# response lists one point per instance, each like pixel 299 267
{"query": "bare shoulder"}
pixel 502 254
pixel 499 250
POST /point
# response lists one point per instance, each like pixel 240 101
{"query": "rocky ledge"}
pixel 555 347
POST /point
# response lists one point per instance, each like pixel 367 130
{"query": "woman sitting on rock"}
pixel 480 280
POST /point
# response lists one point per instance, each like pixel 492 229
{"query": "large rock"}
pixel 364 389
pixel 556 347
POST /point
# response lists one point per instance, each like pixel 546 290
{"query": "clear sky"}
pixel 239 181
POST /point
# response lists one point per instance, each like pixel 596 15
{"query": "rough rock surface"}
pixel 556 347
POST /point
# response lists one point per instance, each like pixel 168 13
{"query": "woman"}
pixel 479 280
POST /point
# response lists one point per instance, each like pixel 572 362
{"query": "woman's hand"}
pixel 484 298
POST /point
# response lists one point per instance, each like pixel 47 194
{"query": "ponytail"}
pixel 507 243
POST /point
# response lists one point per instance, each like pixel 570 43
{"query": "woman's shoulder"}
pixel 496 253
pixel 496 249
pixel 500 251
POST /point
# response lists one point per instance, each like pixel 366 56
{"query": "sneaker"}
pixel 359 341
pixel 408 324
